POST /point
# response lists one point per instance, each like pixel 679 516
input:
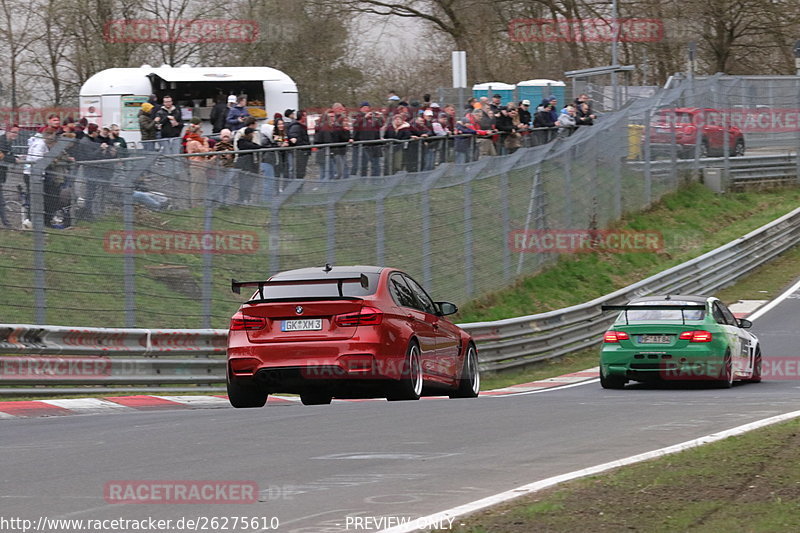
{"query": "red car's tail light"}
pixel 247 323
pixel 696 336
pixel 368 316
pixel 615 336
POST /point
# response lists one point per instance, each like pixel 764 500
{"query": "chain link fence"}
pixel 152 240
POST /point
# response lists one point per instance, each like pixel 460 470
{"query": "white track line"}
pixel 548 389
pixel 764 310
pixel 551 481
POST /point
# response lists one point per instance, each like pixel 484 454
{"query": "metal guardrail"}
pixel 58 360
pixel 518 341
pixel 741 171
pixel 193 360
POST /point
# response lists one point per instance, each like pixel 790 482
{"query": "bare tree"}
pixel 308 40
pixel 459 19
pixel 172 13
pixel 15 32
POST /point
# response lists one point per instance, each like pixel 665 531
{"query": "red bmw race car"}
pixel 346 332
pixel 680 127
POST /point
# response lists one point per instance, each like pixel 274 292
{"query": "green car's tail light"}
pixel 615 336
pixel 696 336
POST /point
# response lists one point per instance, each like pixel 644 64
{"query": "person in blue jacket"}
pixel 237 114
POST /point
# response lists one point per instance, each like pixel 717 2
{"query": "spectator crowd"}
pixel 429 134
pixel 400 135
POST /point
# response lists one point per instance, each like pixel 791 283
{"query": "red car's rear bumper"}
pixel 315 360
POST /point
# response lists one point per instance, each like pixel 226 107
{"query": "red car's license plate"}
pixel 654 339
pixel 308 324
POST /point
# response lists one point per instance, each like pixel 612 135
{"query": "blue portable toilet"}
pixel 538 90
pixel 505 90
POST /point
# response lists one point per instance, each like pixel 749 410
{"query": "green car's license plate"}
pixel 654 339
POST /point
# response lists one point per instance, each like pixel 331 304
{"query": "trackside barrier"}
pixel 741 171
pixel 64 340
pixel 518 341
pixel 102 359
pixel 57 360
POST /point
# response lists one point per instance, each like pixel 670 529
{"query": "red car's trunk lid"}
pixel 301 321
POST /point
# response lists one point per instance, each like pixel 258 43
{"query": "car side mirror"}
pixel 744 324
pixel 446 308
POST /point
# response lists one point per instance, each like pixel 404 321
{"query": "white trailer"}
pixel 115 95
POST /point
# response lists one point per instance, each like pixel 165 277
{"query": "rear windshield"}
pixel 655 315
pixel 320 290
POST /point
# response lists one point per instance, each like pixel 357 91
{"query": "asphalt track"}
pixel 317 466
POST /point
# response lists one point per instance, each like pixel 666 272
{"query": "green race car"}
pixel 678 338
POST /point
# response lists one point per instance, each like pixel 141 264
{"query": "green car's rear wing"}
pixel 655 307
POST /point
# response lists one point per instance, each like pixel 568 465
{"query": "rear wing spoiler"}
pixel 236 286
pixel 655 307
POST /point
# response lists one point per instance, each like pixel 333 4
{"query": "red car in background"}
pixel 346 332
pixel 685 122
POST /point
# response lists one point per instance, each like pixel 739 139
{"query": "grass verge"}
pixel 692 221
pixel 744 483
